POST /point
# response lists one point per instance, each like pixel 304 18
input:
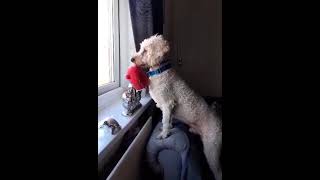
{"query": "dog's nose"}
pixel 132 59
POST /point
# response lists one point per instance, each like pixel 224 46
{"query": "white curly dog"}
pixel 173 96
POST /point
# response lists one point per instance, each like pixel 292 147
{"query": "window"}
pixel 108 45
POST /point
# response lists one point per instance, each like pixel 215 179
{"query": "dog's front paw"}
pixel 170 127
pixel 163 135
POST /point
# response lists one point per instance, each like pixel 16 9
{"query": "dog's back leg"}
pixel 212 152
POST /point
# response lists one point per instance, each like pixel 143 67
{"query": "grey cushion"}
pixel 170 157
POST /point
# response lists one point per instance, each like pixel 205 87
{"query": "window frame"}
pixel 116 51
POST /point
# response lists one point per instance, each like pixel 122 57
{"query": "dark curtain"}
pixel 146 18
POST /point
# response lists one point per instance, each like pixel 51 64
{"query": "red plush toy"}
pixel 137 77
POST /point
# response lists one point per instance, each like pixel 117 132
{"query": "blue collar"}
pixel 161 69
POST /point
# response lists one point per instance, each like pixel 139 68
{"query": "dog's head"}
pixel 152 52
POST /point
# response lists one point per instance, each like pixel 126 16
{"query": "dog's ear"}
pixel 163 48
pixel 166 46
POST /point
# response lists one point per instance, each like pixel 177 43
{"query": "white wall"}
pixel 194 29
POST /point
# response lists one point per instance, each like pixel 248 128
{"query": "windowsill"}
pixel 110 105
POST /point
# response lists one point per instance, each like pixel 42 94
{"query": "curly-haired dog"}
pixel 173 96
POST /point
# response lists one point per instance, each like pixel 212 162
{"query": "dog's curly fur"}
pixel 175 98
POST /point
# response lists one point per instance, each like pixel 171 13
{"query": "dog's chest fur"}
pixel 162 88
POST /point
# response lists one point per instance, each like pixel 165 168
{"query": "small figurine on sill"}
pixel 131 98
pixel 113 124
pixel 131 101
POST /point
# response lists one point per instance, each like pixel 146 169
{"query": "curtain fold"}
pixel 146 18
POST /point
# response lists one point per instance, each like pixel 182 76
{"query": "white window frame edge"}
pixel 126 41
pixel 116 39
pixel 113 97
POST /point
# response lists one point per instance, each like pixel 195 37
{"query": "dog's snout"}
pixel 132 59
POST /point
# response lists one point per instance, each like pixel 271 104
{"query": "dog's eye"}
pixel 144 51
